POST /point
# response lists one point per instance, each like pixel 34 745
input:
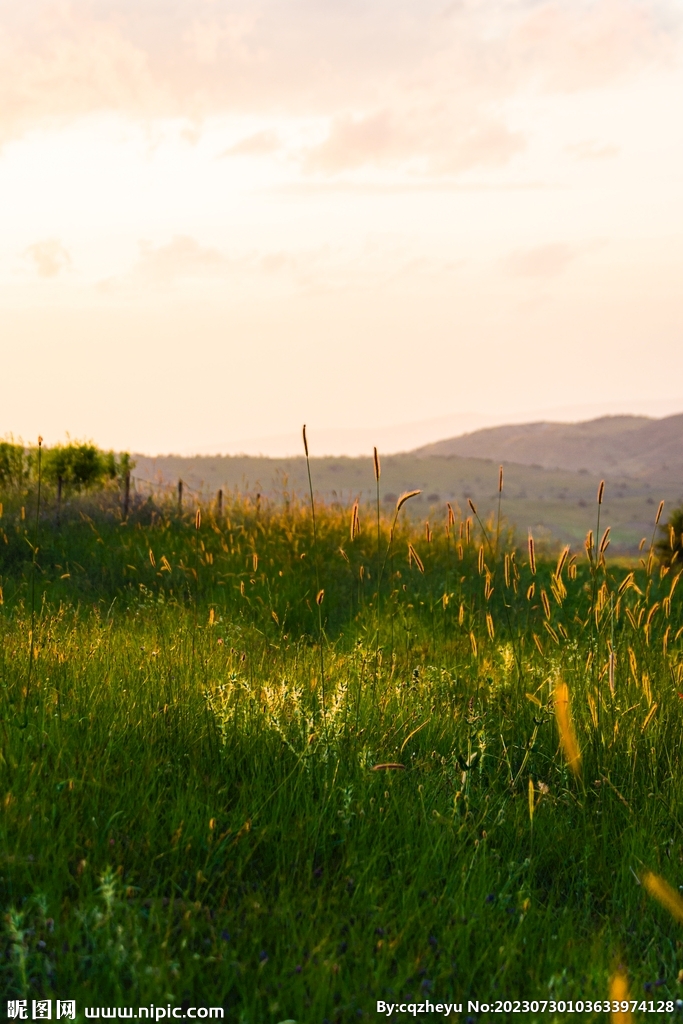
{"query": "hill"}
pixel 632 446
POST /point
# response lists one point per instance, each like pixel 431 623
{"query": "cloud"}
pixel 185 266
pixel 542 261
pixel 357 140
pixel 384 137
pixel 488 143
pixel 48 257
pixel 591 150
pixel 181 259
pixel 418 80
pixel 184 260
pixel 584 45
pixel 262 143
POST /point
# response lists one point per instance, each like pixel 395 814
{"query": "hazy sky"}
pixel 222 219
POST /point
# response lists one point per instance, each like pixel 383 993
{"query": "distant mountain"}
pixel 633 446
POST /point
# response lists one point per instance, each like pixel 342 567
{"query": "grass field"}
pixel 554 502
pixel 291 775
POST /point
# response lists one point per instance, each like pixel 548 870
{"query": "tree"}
pixel 83 466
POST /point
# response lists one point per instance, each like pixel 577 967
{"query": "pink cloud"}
pixel 48 257
pixel 357 140
pixel 385 138
pixel 541 261
pixel 591 150
pixel 259 144
pixel 576 46
pixel 428 83
pixel 181 259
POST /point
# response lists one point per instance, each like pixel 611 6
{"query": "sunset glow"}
pixel 221 220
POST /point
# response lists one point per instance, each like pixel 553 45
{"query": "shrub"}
pixel 14 464
pixel 83 466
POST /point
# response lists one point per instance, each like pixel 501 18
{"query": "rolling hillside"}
pixel 633 446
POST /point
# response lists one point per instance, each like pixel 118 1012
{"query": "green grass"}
pixel 182 817
pixel 554 502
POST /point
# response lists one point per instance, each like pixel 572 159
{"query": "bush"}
pixel 83 466
pixel 14 464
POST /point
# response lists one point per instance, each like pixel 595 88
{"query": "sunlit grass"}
pixel 184 814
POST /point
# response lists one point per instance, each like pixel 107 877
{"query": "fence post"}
pixel 180 496
pixel 219 501
pixel 126 495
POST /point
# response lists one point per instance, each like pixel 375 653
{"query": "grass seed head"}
pixel 546 604
pixel 601 491
pixel 561 560
pixel 375 458
pixel 532 554
pixel 406 496
pixel 565 728
pixel 305 440
pixel 618 993
pixel 660 890
pixel 355 520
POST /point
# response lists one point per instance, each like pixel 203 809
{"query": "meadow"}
pixel 552 501
pixel 291 766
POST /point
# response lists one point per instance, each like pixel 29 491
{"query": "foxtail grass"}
pixel 320 593
pixel 34 556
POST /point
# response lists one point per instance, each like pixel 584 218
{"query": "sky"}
pixel 392 220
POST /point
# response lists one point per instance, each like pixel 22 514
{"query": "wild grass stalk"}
pixel 34 556
pixel 378 609
pixel 320 593
pixel 500 497
pixel 197 527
